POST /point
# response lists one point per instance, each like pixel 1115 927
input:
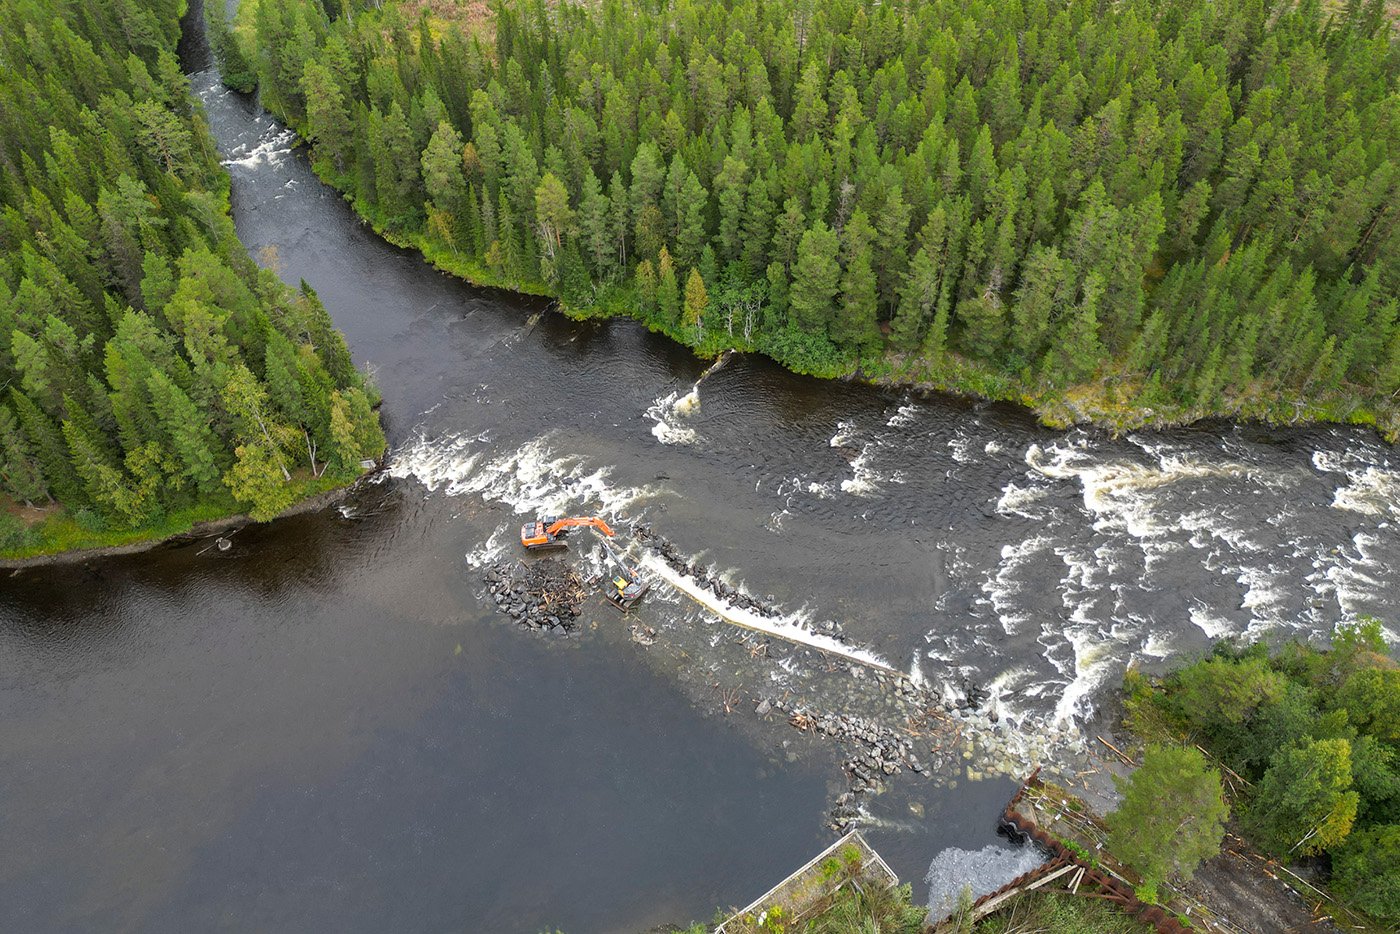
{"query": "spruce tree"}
pixel 815 277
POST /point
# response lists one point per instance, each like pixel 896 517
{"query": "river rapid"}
pixel 329 727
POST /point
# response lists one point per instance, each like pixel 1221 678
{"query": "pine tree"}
pixel 103 482
pixel 51 451
pixel 1076 351
pixel 983 321
pixel 443 177
pixel 595 231
pixel 667 290
pixel 815 278
pixel 645 282
pixel 730 186
pixel 1043 292
pixel 20 471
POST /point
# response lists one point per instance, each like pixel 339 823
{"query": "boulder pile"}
pixel 877 752
pixel 541 595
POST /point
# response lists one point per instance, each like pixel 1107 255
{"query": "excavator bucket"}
pixel 625 587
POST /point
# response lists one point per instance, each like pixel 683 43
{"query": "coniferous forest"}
pixel 150 374
pixel 1136 209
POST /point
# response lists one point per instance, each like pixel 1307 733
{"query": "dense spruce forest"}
pixel 149 373
pixel 1177 207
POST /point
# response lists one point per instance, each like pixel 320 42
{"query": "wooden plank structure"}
pixel 808 887
pixel 1065 867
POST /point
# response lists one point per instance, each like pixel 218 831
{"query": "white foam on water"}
pixel 662 428
pixel 842 438
pixel 1021 500
pixel 269 151
pixel 1213 626
pixel 792 627
pixel 1158 644
pixel 1265 596
pixel 530 479
pixel 904 416
pixel 984 870
pixel 688 403
pixel 491 550
pixel 1214 525
pixel 1372 491
pixel 863 480
pixel 1354 582
pixel 1328 461
pixel 1002 587
pixel 1093 658
pixel 1119 493
pixel 960 445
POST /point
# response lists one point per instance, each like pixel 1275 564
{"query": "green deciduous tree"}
pixel 1371 698
pixel 667 289
pixel 1305 803
pixel 1172 816
pixel 1366 869
pixel 697 300
pixel 257 479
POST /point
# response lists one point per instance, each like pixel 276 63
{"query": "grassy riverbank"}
pixel 54 532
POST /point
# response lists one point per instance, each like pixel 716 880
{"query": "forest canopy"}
pixel 1314 735
pixel 146 365
pixel 1186 205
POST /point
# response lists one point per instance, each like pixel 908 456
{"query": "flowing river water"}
pixel 328 727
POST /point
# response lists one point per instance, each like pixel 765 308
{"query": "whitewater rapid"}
pixel 1069 560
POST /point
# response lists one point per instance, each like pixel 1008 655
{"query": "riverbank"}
pixel 1116 401
pixel 63 539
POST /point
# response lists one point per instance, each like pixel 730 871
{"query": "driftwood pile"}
pixel 541 595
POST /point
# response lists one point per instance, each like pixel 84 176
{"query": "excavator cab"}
pixel 623 593
pixel 535 536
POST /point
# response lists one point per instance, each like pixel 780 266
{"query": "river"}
pixel 328 727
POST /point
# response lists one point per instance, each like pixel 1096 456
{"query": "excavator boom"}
pixel 545 534
pixel 560 524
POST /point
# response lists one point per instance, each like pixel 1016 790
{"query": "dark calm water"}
pixel 328 729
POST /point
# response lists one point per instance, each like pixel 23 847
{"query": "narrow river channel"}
pixel 328 727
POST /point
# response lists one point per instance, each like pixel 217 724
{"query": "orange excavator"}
pixel 622 589
pixel 549 534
